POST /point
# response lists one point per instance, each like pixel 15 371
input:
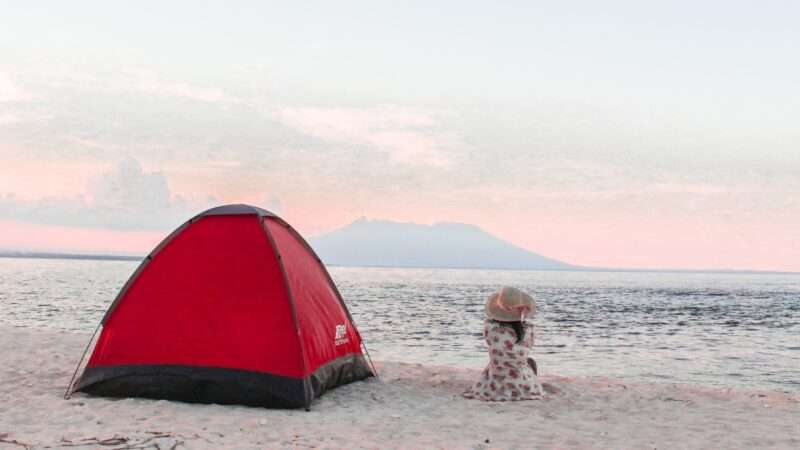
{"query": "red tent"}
pixel 233 307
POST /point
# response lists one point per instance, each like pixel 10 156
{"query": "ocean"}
pixel 717 329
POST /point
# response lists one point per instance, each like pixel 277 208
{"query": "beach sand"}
pixel 411 406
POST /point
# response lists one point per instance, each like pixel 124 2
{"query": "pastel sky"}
pixel 615 133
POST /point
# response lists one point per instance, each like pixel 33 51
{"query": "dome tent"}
pixel 233 307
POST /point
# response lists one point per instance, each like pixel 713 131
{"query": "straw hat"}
pixel 509 305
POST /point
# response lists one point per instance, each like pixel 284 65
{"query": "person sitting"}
pixel 511 374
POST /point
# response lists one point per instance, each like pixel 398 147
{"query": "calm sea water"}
pixel 712 329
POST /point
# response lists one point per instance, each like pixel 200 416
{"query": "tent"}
pixel 233 307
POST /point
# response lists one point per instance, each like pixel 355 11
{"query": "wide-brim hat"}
pixel 509 305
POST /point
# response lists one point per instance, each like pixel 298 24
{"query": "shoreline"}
pixel 411 406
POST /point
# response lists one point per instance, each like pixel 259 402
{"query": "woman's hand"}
pixel 532 365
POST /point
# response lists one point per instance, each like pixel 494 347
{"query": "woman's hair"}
pixel 518 327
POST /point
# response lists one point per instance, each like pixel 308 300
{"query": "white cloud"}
pixel 148 82
pixel 129 190
pixel 9 119
pixel 71 79
pixel 125 197
pixel 273 203
pixel 10 92
pixel 408 136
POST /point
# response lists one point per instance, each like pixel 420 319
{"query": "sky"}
pixel 617 133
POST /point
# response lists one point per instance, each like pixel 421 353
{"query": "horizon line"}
pixel 26 254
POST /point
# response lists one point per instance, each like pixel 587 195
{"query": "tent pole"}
pixel 71 384
pixel 308 391
pixel 369 358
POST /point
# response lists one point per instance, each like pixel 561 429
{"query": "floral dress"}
pixel 508 376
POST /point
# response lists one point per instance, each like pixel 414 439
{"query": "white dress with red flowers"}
pixel 508 376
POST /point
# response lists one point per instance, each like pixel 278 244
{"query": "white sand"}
pixel 413 406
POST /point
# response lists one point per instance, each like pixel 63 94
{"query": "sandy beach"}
pixel 411 406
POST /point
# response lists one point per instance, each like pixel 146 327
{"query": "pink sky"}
pixel 591 237
pixel 563 143
pixel 632 224
pixel 620 243
pixel 33 237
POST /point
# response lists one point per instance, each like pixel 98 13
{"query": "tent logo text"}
pixel 341 335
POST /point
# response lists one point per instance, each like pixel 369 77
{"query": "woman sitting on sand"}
pixel 510 374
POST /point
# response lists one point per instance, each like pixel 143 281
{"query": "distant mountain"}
pixel 454 245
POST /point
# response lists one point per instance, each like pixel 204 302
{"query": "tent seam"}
pixel 273 243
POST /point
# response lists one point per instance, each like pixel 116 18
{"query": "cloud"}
pixel 10 92
pixel 408 136
pixel 9 119
pixel 148 82
pixel 72 79
pixel 124 198
pixel 273 203
pixel 129 190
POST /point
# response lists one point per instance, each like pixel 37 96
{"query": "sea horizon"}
pixel 574 268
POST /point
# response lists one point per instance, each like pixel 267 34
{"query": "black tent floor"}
pixel 198 384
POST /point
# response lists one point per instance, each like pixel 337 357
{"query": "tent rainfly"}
pixel 233 307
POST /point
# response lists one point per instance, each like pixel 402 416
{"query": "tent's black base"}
pixel 196 384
